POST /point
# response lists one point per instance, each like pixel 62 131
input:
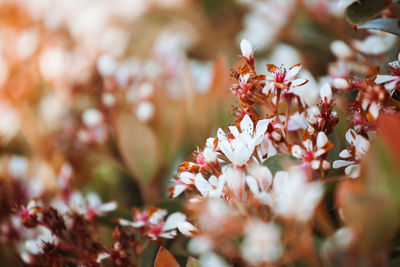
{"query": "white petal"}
pixel 341 163
pixel 261 127
pixel 344 154
pixel 353 171
pixel 315 164
pixel 109 206
pixel 298 82
pixel 374 110
pixel 246 125
pixel 186 228
pixel 187 177
pixel 340 49
pixel 340 83
pixel 293 71
pixel 351 136
pixel 252 184
pixel 297 151
pixel 202 185
pixel 246 48
pixel 322 139
pixel 326 93
pixel 384 78
pixel 173 221
pixel 178 189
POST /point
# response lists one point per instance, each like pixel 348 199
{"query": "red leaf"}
pixel 165 259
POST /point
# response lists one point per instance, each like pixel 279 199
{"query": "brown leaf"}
pixel 165 259
pixel 138 146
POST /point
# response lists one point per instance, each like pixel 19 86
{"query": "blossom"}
pixel 391 82
pixel 282 78
pixel 261 243
pixel 155 226
pixel 351 156
pixel 212 188
pixel 90 206
pixel 294 196
pixel 239 147
pixel 310 153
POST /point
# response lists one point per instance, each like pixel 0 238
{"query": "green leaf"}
pixel 192 262
pixel 386 25
pixel 280 162
pixel 358 13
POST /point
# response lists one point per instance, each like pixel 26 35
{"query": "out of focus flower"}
pixel 262 243
pixel 294 196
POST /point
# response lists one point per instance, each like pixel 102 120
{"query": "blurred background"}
pixel 113 95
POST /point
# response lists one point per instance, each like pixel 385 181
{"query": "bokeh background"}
pixel 118 93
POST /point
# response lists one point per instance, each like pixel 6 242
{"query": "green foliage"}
pixel 280 162
pixel 359 14
pixel 386 25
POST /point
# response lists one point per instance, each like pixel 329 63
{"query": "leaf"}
pixel 386 25
pixel 359 13
pixel 279 162
pixel 138 146
pixel 192 262
pixel 165 259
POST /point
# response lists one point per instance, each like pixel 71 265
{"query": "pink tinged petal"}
pixel 293 71
pixel 246 48
pixel 299 82
pixel 187 177
pixel 384 78
pixel 308 144
pixel 173 221
pixel 246 125
pixel 315 164
pixel 344 154
pixel 297 151
pixel 326 93
pixel 252 184
pixel 353 171
pixel 322 139
pixel 342 163
pixel 167 235
pixel 202 185
pixel 186 228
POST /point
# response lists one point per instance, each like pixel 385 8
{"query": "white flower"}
pixel 262 243
pixel 309 154
pixel 211 188
pixel 294 196
pixel 281 77
pixel 391 81
pixel 240 148
pixel 351 156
